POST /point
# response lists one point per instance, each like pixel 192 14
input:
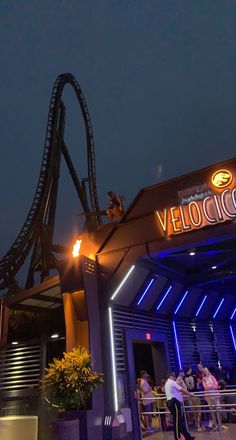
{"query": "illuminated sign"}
pixel 211 210
pixel 222 178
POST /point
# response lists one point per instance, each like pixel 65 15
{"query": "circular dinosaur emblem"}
pixel 222 178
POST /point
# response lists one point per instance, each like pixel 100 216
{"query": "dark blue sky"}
pixel 159 77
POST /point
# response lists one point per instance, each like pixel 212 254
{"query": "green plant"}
pixel 69 381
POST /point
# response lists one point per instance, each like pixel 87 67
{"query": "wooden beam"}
pixel 28 308
pixel 48 298
pixel 34 291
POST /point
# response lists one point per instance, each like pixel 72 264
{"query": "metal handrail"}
pixel 217 407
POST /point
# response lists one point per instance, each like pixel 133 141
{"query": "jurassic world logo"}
pixel 222 178
pixel 211 204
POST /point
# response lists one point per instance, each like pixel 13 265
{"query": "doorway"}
pixel 150 356
pixel 142 354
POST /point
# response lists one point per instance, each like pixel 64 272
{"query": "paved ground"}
pixel 226 435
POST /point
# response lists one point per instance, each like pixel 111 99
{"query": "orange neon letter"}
pixel 174 220
pixel 198 220
pixel 162 219
pixel 186 227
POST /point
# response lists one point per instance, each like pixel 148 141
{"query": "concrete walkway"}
pixel 230 434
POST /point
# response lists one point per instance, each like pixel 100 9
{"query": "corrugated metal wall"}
pixel 20 367
pixel 125 318
pixel 205 340
pixel 208 341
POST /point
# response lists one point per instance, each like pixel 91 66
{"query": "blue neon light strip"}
pixel 164 297
pixel 181 302
pixel 218 308
pixel 231 317
pixel 201 306
pixel 233 337
pixel 177 346
pixel 145 291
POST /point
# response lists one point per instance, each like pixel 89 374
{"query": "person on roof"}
pixel 115 207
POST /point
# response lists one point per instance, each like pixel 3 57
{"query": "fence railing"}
pixel 212 404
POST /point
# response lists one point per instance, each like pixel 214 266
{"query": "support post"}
pixel 4 323
pixel 77 330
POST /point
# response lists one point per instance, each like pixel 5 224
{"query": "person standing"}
pixel 212 397
pixel 147 399
pixel 194 402
pixel 200 373
pixel 180 379
pixel 174 395
pixel 210 385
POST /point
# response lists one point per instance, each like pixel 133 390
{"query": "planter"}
pixel 72 425
pixel 69 383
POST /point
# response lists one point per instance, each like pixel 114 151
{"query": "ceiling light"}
pixel 14 343
pixel 55 336
pixel 192 252
pixel 214 267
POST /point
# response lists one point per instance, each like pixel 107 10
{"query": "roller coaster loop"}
pixel 36 235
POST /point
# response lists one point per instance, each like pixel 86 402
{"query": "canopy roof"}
pixel 182 233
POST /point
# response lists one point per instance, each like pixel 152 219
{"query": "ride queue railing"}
pixel 217 406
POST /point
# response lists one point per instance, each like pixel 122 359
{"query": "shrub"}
pixel 69 382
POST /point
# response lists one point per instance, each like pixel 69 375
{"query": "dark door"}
pixel 150 356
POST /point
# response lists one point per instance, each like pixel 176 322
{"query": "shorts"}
pixel 148 408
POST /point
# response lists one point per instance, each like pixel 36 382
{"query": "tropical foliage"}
pixel 69 381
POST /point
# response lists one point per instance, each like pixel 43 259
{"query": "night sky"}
pixel 159 78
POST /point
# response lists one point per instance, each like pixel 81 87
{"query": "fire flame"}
pixel 76 248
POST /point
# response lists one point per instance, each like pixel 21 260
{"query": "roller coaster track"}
pixel 37 231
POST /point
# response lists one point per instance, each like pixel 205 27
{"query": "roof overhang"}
pixel 46 295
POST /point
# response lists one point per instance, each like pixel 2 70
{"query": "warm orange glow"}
pixel 76 248
pixel 222 178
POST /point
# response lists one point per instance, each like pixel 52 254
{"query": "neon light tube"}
pixel 233 337
pixel 231 317
pixel 181 302
pixel 177 345
pixel 201 306
pixel 164 297
pixel 145 291
pixel 218 308
pixel 113 361
pixel 122 282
